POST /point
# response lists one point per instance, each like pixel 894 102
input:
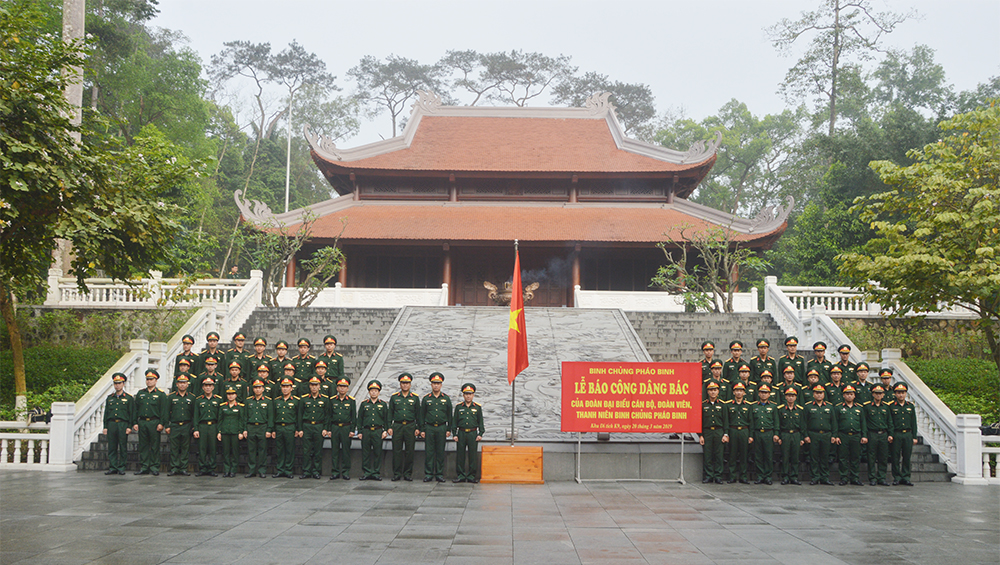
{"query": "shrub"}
pixel 967 386
pixel 49 367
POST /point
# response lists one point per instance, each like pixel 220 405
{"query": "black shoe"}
pixel 346 478
pixel 249 476
pixel 784 481
pixel 408 479
pixel 276 476
pixel 376 478
pixel 394 479
pixel 733 481
pixel 316 476
pixel 262 475
pixel 362 478
pixel 843 483
pixel 873 482
pixel 306 477
pixel 458 481
pixel 155 473
pixel 428 479
pixel 857 483
pixel 813 483
pixel 707 481
pixel 882 483
pixel 895 483
pixel 111 472
pixel 171 474
pixel 718 481
pixel 744 482
pixel 767 481
pixel 473 480
pixel 758 481
pixel 796 482
pixel 141 473
pixel 334 477
pixel 827 483
pixel 213 474
pixel 905 482
pixel 440 479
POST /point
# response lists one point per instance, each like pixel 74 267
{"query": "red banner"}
pixel 631 397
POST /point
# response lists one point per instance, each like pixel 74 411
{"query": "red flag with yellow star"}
pixel 517 336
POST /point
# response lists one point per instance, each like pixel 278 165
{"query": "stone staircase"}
pixel 677 336
pixel 359 331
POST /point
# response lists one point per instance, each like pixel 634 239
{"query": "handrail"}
pixel 651 301
pixel 242 305
pixel 777 304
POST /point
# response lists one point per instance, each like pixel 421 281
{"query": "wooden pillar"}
pixel 446 273
pixel 576 275
pixel 357 191
pixel 342 275
pixel 452 190
pixel 290 273
pixel 573 189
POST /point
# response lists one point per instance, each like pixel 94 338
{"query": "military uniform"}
pixel 797 363
pixel 304 368
pixel 260 422
pixel 714 424
pixel 404 411
pixel 903 429
pixel 765 428
pixel 343 421
pixel 791 424
pixel 277 370
pixel 821 426
pixel 242 357
pixel 822 367
pixel 151 413
pixel 119 416
pixel 468 426
pixel 706 365
pixel 180 409
pixel 739 439
pixel 877 420
pixel 232 423
pixel 206 417
pixel 334 365
pixel 314 416
pixel 373 420
pixel 835 393
pixel 758 366
pixel 286 414
pixel 217 354
pixel 189 357
pixel 851 429
pixel 436 413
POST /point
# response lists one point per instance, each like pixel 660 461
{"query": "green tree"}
pixel 107 200
pixel 634 104
pixel 515 77
pixel 388 86
pixel 841 30
pixel 937 228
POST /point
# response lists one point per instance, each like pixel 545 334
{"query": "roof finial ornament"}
pixel 259 214
pixel 770 217
pixel 321 142
pixel 700 150
pixel 427 101
pixel 599 103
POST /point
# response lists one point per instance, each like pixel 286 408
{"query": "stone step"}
pixel 677 336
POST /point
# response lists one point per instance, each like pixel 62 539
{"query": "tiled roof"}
pixel 485 222
pixel 512 144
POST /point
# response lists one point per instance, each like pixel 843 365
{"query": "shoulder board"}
pixel 338 354
pixel 310 356
pixel 351 397
pixel 201 396
pixel 727 401
pixel 396 393
pixel 798 406
pixel 427 395
pixel 172 393
pixel 295 397
pixel 240 404
pixel 704 402
pixel 477 404
pixel 160 390
pixel 130 396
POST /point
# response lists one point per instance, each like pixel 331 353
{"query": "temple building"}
pixel 444 201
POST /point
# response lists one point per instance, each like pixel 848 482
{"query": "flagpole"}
pixel 512 384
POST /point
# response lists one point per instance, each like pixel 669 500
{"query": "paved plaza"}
pixel 90 518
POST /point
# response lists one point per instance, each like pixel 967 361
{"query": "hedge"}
pixel 967 386
pixel 49 367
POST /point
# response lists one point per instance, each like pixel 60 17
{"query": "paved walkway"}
pixel 89 518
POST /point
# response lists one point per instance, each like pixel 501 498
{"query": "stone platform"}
pixel 77 518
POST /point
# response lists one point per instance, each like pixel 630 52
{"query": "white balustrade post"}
pixel 257 278
pixel 156 287
pixel 141 348
pixel 754 305
pixel 158 360
pixel 52 296
pixel 969 444
pixel 444 295
pixel 61 437
pixel 336 293
pixel 211 323
pixel 576 296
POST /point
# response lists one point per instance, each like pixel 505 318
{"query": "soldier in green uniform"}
pixel 279 361
pixel 236 382
pixel 187 355
pixel 240 355
pixel 762 362
pixel 468 432
pixel 852 434
pixel 725 393
pixel 764 416
pixel 304 364
pixel 119 417
pixel 714 424
pixel 289 373
pixel 373 420
pixel 185 369
pixel 210 363
pixel 211 351
pixel 792 359
pixel 767 378
pixel 206 417
pixel 819 363
pixel 789 380
pixel 791 420
pixel 404 408
pixel 708 350
pixel 334 361
pixel 232 424
pixel 260 427
pixel 878 421
pixel 181 414
pixel 435 427
pixel 258 358
pixel 271 388
pixel 314 417
pixel 885 376
pixel 864 395
pixel 845 364
pixel 326 387
pixel 730 368
pixel 343 421
pixel 739 434
pixel 821 433
pixel 749 387
pixel 902 435
pixel 286 415
pixel 151 413
pixel 835 388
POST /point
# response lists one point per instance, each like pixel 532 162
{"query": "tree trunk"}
pixel 16 347
pixel 835 62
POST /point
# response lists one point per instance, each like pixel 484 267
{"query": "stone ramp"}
pixel 677 336
pixel 469 344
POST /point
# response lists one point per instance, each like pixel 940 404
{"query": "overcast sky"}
pixel 694 55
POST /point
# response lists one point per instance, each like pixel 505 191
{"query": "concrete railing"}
pixel 651 301
pixel 147 293
pixel 39 446
pixel 956 439
pixel 990 446
pixel 844 302
pixel 350 297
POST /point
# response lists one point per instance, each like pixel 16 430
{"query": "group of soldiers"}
pixel 284 399
pixel 761 408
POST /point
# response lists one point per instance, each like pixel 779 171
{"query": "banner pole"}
pixel 512 385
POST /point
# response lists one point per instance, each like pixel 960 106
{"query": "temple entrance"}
pixel 544 266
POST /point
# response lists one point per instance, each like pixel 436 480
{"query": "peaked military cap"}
pixel 211 336
pixel 405 378
pixel 258 382
pixel 739 386
pixel 374 384
pixel 862 365
pixel 707 345
pixel 788 369
pixel 264 368
pixel 321 364
pixel 819 388
pixel 743 367
pixel 791 391
pixel 286 382
pixel 712 385
pixel 330 339
pixel 152 374
pixel 288 366
pixel 260 341
pixel 899 387
pixel 239 336
pixel 281 345
pixel 230 390
pixel 182 378
pixel 303 341
pixel 885 372
pixel 716 364
pixel 792 340
pixel 819 345
pixel 211 361
pixel 468 387
pixel 761 342
pixel 436 377
pixel 184 362
pixel 119 377
pixel 844 348
pixel 848 388
pixel 208 381
pixel 736 344
pixel 187 339
pixel 812 372
pixel 836 369
pixel 315 380
pixel 768 373
pixel 764 388
pixel 878 389
pixel 235 364
pixel 343 381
